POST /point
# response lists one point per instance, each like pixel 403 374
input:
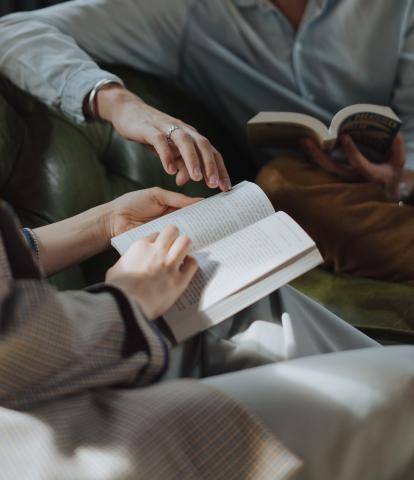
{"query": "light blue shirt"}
pixel 239 56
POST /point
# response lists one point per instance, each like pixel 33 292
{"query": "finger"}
pixel 320 158
pixel 224 177
pixel 164 151
pixel 136 246
pixel 315 153
pixel 182 176
pixel 189 127
pixel 178 251
pixel 208 161
pixel 397 152
pixel 188 269
pixel 166 238
pixel 173 199
pixel 185 145
pixel 355 158
pixel 151 238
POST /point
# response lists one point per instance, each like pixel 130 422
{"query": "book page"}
pixel 238 260
pixel 189 324
pixel 208 220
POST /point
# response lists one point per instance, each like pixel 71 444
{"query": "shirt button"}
pixel 265 5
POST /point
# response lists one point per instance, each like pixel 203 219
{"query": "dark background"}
pixel 8 6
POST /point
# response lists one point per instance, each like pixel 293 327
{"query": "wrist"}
pixel 73 240
pixel 110 99
pixel 90 107
pixel 90 229
pixel 100 226
pixel 130 287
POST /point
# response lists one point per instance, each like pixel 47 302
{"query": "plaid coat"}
pixel 78 398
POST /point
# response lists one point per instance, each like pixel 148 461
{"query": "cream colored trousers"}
pixel 340 401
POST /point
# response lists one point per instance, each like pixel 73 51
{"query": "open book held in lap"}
pixel 244 249
pixel 372 127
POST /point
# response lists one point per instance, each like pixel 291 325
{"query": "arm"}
pixel 403 95
pixel 64 343
pixel 75 239
pixel 54 344
pixel 52 53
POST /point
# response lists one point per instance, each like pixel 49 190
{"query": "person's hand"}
pixel 136 208
pixel 359 168
pixel 155 271
pixel 75 239
pixel 188 154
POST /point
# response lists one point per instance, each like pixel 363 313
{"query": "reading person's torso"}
pixel 244 56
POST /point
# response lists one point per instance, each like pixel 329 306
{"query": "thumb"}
pixel 174 199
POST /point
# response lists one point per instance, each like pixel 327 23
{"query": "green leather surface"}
pixel 51 168
pixel 383 310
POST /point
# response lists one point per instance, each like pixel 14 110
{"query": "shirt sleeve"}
pixel 53 53
pixel 54 344
pixel 403 93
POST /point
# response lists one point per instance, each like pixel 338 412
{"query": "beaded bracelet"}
pixel 33 241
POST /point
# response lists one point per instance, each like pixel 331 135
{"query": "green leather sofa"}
pixel 51 168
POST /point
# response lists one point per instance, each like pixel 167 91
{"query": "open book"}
pixel 372 127
pixel 244 249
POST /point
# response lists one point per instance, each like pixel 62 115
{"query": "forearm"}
pixel 53 53
pixel 47 62
pixel 54 344
pixel 73 240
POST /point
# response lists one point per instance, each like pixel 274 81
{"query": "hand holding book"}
pixel 244 249
pixel 361 144
pixel 358 168
pixel 155 271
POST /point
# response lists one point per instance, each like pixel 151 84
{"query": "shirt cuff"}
pixel 129 309
pixel 79 84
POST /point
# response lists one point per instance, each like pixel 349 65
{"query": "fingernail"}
pixel 213 181
pixel 197 173
pixel 172 169
pixel 227 185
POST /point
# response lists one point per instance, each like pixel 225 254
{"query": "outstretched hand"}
pixel 359 168
pixel 184 153
pixel 75 239
pixel 136 208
